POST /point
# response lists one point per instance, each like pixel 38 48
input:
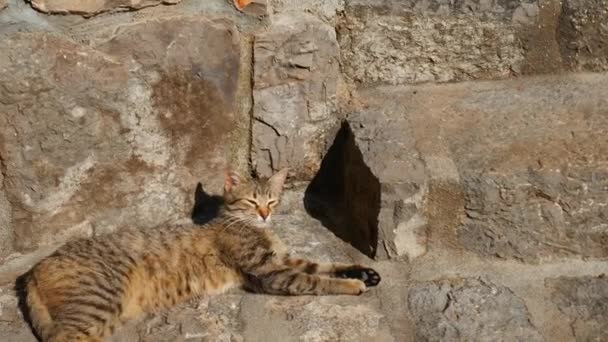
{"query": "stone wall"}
pixel 473 127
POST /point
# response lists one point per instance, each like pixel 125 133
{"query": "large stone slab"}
pixel 295 92
pixel 97 138
pixel 399 42
pixel 92 7
pixel 584 302
pixel 583 34
pixel 324 9
pixel 514 169
pixel 469 310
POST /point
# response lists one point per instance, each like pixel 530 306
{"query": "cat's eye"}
pixel 251 202
pixel 272 202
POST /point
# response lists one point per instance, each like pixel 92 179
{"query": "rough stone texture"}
pixel 583 34
pixel 12 325
pixel 93 139
pixel 430 157
pixel 538 189
pixel 469 310
pixel 399 42
pixel 441 155
pixel 324 9
pixel 6 231
pixel 584 301
pixel 367 191
pixel 295 93
pixel 92 7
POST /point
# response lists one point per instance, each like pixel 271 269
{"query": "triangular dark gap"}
pixel 345 195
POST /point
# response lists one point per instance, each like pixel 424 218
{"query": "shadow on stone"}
pixel 206 206
pixel 345 196
pixel 21 293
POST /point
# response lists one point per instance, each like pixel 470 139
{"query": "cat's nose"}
pixel 264 212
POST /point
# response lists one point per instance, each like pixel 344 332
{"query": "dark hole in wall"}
pixel 345 195
pixel 206 206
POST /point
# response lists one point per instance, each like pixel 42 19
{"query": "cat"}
pixel 89 286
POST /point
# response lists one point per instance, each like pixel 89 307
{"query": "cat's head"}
pixel 252 200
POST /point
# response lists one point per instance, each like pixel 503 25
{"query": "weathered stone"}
pixel 324 320
pixel 295 92
pixel 361 192
pixel 399 42
pixel 325 9
pixel 252 7
pixel 12 325
pixel 6 231
pixel 211 319
pixel 534 214
pixel 94 139
pixel 92 7
pixel 525 178
pixel 583 34
pixel 584 301
pixel 469 310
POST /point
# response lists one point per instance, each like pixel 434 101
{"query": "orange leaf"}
pixel 240 4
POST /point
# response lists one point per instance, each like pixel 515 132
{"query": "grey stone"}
pixel 97 138
pixel 295 93
pixel 368 191
pixel 398 42
pixel 512 169
pixel 469 310
pixel 583 34
pixel 92 7
pixel 12 325
pixel 6 231
pixel 325 9
pixel 584 301
pixel 539 213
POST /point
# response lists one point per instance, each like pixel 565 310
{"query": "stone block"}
pixel 584 302
pixel 583 35
pixel 510 169
pixel 295 93
pixel 469 310
pixel 93 7
pixel 97 138
pixel 324 9
pixel 401 42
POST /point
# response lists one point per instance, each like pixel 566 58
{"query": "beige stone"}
pixel 92 7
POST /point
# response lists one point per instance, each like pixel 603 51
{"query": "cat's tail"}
pixel 39 315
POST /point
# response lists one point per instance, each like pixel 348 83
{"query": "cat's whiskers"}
pixel 235 220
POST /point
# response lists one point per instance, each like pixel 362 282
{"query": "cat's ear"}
pixel 277 180
pixel 231 180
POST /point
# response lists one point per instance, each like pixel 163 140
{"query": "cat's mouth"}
pixel 262 222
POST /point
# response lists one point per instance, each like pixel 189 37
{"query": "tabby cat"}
pixel 89 286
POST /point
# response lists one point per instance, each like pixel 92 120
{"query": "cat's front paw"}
pixel 367 275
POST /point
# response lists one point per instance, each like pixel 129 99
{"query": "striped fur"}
pixel 88 287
